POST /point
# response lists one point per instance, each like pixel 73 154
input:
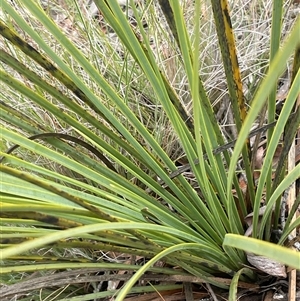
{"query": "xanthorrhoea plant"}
pixel 106 182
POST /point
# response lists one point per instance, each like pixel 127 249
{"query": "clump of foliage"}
pixel 102 135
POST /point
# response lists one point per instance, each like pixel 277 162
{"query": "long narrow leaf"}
pixel 278 253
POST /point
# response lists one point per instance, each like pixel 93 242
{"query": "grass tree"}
pixel 112 145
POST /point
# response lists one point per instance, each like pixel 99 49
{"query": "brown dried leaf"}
pixel 267 265
pixel 258 162
pixel 249 220
pixel 249 217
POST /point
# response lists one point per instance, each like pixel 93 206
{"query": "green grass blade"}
pixel 260 98
pixel 234 284
pixel 269 250
pixel 125 290
pixel 234 82
pixel 275 43
pixel 287 181
pixel 278 130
